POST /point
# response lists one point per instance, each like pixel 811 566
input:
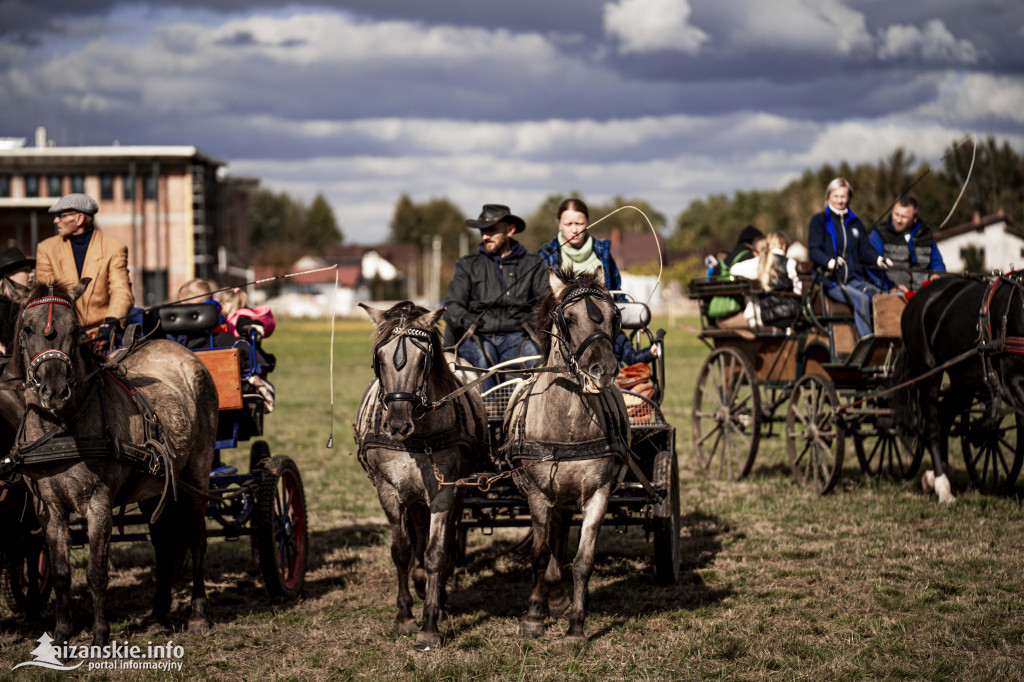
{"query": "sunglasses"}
pixel 65 214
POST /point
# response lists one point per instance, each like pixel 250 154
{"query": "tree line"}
pixel 284 228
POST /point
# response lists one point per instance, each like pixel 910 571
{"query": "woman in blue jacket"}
pixel 839 244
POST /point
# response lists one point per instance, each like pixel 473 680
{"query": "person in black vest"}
pixel 910 245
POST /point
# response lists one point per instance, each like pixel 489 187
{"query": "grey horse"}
pixel 74 404
pixel 408 444
pixel 568 433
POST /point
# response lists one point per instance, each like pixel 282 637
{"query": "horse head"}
pixel 406 354
pixel 580 315
pixel 47 344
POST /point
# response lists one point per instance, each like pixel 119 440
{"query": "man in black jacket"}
pixel 496 289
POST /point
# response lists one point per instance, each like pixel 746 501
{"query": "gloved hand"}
pixel 884 263
pixel 836 264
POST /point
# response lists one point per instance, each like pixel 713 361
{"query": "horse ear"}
pixel 429 320
pixel 79 289
pixel 556 283
pixel 19 291
pixel 376 315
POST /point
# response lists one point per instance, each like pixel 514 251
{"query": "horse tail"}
pixel 905 401
pixel 522 551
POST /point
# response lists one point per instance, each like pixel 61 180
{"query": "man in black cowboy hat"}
pixel 494 292
pixel 17 267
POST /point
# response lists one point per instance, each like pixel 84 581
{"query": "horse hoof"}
pixel 942 487
pixel 199 626
pixel 427 641
pixel 557 607
pixel 406 627
pixel 575 638
pixel 531 630
pixel 928 481
pixel 157 627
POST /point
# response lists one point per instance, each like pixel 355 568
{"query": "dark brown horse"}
pixel 89 444
pixel 407 446
pixel 570 433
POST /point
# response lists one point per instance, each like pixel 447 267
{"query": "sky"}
pixel 508 102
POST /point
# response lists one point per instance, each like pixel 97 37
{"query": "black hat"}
pixel 14 259
pixel 496 213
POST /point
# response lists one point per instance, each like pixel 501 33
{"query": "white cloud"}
pixel 977 98
pixel 868 141
pixel 653 25
pixel 933 43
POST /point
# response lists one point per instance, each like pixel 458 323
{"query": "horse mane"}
pixel 16 369
pixel 542 317
pixel 404 313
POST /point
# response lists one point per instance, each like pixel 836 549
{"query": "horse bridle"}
pixel 595 315
pixel 33 364
pixel 422 339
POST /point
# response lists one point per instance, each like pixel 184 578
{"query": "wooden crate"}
pixel 888 310
pixel 223 365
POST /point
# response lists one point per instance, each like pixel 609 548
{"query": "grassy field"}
pixel 874 581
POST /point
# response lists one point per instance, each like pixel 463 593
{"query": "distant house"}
pixel 993 239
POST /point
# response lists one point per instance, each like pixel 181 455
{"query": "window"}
pixel 54 185
pixel 149 186
pixel 129 188
pixel 78 183
pixel 106 186
pixel 5 186
pixel 32 185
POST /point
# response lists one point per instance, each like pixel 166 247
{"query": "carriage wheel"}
pixel 665 527
pixel 814 434
pixel 26 580
pixel 726 415
pixel 281 527
pixel 882 451
pixel 993 450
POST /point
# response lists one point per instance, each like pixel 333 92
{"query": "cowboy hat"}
pixel 496 213
pixel 14 259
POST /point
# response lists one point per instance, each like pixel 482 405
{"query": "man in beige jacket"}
pixel 79 249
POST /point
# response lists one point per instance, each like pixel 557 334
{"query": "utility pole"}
pixel 436 270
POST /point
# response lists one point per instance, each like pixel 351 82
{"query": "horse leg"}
pixel 583 564
pixel 99 518
pixel 199 621
pixel 558 599
pixel 401 555
pixel 162 535
pixel 541 514
pixel 58 537
pixel 420 520
pixel 436 563
pixel 955 402
pixel 935 439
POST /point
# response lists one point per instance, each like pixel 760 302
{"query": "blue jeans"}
pixel 500 347
pixel 858 295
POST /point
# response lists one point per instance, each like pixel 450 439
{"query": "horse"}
pixel 411 439
pixel 976 327
pixel 567 435
pixel 91 441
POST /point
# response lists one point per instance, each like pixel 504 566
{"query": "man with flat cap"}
pixel 80 249
pixel 494 292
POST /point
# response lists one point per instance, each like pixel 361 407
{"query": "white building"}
pixel 997 242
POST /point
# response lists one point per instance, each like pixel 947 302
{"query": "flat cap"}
pixel 83 203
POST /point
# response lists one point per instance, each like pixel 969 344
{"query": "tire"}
pixel 665 525
pixel 26 580
pixel 814 434
pixel 726 415
pixel 258 451
pixel 993 447
pixel 281 527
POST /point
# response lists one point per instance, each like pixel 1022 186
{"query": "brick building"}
pixel 179 215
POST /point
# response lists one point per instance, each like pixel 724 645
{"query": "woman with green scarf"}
pixel 575 249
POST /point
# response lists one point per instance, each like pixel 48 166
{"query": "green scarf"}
pixel 582 259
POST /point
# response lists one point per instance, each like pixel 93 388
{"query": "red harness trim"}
pixel 1013 344
pixel 49 300
pixel 128 387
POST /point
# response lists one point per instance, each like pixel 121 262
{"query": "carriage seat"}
pixel 187 318
pixel 635 314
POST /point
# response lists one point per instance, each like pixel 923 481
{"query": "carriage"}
pixel 647 493
pixel 265 503
pixel 818 385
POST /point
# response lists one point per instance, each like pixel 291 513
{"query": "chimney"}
pixel 41 136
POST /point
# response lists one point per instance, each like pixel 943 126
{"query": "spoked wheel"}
pixel 26 580
pixel 993 446
pixel 665 527
pixel 814 434
pixel 881 451
pixel 726 415
pixel 281 527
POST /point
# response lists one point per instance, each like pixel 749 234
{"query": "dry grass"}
pixel 874 581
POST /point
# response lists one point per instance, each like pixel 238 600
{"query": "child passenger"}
pixel 777 273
